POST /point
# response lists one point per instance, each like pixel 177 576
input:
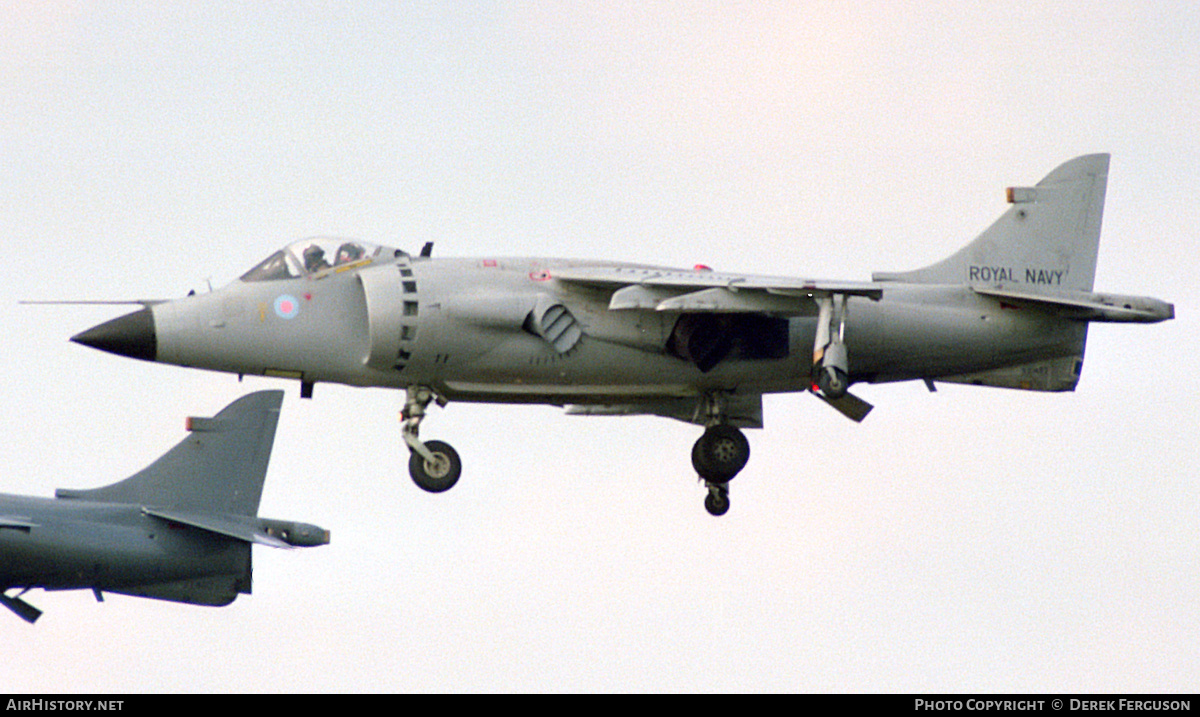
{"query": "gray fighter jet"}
pixel 178 530
pixel 1009 309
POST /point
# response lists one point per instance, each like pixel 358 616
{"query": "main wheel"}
pixel 720 453
pixel 437 475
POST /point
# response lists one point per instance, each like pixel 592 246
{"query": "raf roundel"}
pixel 286 307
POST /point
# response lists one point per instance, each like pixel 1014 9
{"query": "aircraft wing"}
pixel 701 290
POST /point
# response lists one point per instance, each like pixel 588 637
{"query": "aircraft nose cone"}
pixel 129 335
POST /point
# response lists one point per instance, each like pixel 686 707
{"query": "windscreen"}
pixel 313 258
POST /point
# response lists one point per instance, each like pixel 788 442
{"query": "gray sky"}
pixel 971 539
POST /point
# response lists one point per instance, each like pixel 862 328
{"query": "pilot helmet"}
pixel 314 256
pixel 349 252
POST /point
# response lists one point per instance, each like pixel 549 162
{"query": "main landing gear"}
pixel 433 465
pixel 719 455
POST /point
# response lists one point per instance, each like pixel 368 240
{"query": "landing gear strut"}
pixel 433 465
pixel 719 455
pixel 830 360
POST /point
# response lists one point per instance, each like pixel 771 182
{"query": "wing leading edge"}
pixel 694 291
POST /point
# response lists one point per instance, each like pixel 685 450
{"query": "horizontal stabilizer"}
pixel 1088 306
pixel 219 525
pixel 275 533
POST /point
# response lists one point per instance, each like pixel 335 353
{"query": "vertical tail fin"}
pixel 1047 239
pixel 219 467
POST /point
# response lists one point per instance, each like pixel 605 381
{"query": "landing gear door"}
pixel 385 297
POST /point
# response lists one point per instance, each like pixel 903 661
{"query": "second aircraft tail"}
pixel 218 468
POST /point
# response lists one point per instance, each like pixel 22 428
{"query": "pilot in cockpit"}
pixel 314 259
pixel 347 253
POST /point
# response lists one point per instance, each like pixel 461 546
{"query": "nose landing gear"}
pixel 436 474
pixel 434 465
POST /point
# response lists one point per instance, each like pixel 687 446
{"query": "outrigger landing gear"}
pixel 831 365
pixel 719 455
pixel 434 465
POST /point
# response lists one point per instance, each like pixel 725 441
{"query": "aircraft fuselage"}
pixel 459 325
pixel 114 547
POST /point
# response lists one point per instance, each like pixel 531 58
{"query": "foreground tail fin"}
pixel 219 467
pixel 1046 241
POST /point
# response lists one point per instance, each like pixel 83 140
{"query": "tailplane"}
pixel 219 467
pixel 1046 241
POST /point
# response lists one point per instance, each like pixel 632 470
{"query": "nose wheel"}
pixel 433 465
pixel 719 455
pixel 436 474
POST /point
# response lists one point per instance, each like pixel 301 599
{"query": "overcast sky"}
pixel 971 539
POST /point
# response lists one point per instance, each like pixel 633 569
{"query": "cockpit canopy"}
pixel 314 258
